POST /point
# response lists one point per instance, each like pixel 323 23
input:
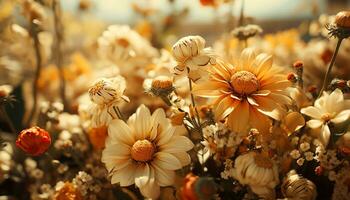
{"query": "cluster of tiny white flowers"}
pixel 6 161
pixel 32 169
pixel 86 185
pixel 328 159
pixel 341 189
pixel 228 171
pixel 41 191
pixel 305 149
pixel 219 137
pixel 71 140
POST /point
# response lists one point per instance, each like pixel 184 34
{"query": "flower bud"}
pixel 292 77
pixel 5 90
pixel 298 65
pixel 162 85
pixel 34 141
pixel 295 186
pixel 342 19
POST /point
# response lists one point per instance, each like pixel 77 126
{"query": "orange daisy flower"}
pixel 248 93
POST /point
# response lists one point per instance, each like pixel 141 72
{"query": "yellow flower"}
pixel 248 94
pixel 146 150
pixel 330 108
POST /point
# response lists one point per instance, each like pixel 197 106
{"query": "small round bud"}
pixel 292 77
pixel 84 5
pixel 34 141
pixel 342 19
pixel 162 85
pixel 5 90
pixel 298 64
pixel 312 89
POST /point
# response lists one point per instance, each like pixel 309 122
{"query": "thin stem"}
pixel 7 119
pixel 34 33
pixel 192 99
pixel 58 50
pixel 241 16
pixel 326 77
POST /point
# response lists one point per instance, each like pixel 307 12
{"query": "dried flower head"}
pixel 258 171
pixel 189 52
pixel 342 19
pixel 162 85
pixel 295 186
pixel 340 28
pixel 246 32
pixel 34 141
pixel 106 91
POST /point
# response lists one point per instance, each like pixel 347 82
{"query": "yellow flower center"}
pixel 244 82
pixel 123 42
pixel 162 82
pixel 143 151
pixel 97 87
pixel 326 117
pixel 263 161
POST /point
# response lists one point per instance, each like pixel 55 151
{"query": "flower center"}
pixel 123 42
pixel 97 87
pixel 326 117
pixel 143 151
pixel 244 82
pixel 263 161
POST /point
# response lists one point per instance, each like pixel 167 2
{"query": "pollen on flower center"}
pixel 244 82
pixel 263 161
pixel 97 87
pixel 326 117
pixel 143 150
pixel 123 42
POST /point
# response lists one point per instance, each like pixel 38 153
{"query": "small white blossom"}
pixel 295 154
pixel 300 161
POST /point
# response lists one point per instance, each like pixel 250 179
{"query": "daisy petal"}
pixel 177 144
pixel 341 117
pixel 314 123
pixel 119 130
pixel 312 112
pixel 167 161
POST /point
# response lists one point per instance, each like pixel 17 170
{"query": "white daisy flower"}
pixel 145 151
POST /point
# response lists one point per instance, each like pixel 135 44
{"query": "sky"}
pixel 119 11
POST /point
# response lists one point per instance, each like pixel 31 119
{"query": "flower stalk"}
pixel 58 49
pixel 34 29
pixel 329 69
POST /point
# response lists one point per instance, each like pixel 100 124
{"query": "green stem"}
pixel 326 77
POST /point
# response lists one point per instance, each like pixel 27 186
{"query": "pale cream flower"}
pixel 146 150
pixel 248 93
pixel 190 52
pixel 300 161
pixel 119 43
pixel 295 154
pixel 295 186
pixel 106 93
pixel 330 108
pixel 258 171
